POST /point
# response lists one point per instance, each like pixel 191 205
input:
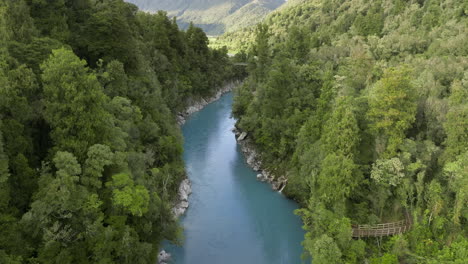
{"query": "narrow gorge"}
pixel 233 217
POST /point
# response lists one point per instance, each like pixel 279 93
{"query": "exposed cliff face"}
pixel 214 16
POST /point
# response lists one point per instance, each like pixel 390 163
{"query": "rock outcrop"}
pixel 185 189
pixel 242 136
pixel 253 160
pixel 163 257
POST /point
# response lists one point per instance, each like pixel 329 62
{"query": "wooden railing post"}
pixel 386 229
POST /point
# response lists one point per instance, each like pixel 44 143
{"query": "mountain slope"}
pixel 215 16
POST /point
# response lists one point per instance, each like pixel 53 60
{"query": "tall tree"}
pixel 261 51
pixel 457 175
pixel 108 34
pixel 74 104
pixel 4 175
pixel 456 125
pixel 56 218
pixel 392 110
pixel 50 17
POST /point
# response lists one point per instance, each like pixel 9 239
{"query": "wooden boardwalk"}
pixel 387 229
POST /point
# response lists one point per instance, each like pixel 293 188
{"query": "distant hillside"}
pixel 213 16
pixel 243 38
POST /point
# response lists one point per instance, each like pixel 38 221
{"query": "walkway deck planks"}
pixel 387 229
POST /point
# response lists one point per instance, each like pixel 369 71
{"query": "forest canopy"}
pixel 90 152
pixel 362 105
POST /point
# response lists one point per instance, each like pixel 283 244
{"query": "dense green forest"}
pixel 90 152
pixel 363 106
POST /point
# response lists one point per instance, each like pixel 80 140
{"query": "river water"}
pixel 232 218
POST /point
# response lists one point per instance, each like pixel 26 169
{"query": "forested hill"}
pixel 90 153
pixel 363 106
pixel 213 16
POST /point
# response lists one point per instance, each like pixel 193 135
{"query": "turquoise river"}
pixel 232 218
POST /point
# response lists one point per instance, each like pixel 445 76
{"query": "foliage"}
pixel 362 106
pixel 74 103
pixel 90 152
pixel 215 16
pixel 128 196
pixel 391 111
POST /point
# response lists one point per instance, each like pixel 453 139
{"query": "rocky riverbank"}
pixel 185 187
pixel 253 160
pixel 198 105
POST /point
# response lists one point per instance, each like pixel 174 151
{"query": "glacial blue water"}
pixel 232 218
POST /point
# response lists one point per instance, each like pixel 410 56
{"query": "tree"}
pixel 127 116
pixel 17 101
pixel 262 51
pixel 378 138
pixel 457 174
pixel 115 80
pixel 50 17
pixel 456 125
pixel 99 156
pixel 4 175
pixel 62 137
pixel 197 40
pixel 387 175
pixel 388 172
pixel 341 132
pixel 392 110
pixel 387 258
pixel 108 34
pixel 326 251
pixel 4 39
pixel 20 22
pixel 131 198
pixel 371 23
pixel 433 197
pixel 74 104
pixel 337 179
pixel 298 43
pixel 5 258
pixel 55 217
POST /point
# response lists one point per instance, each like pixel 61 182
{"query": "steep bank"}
pixel 253 159
pixel 362 104
pixel 232 214
pixel 185 187
pixel 197 105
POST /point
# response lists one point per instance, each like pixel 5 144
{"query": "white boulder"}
pixel 242 136
pixel 163 257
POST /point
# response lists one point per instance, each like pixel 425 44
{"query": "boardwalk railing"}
pixel 379 230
